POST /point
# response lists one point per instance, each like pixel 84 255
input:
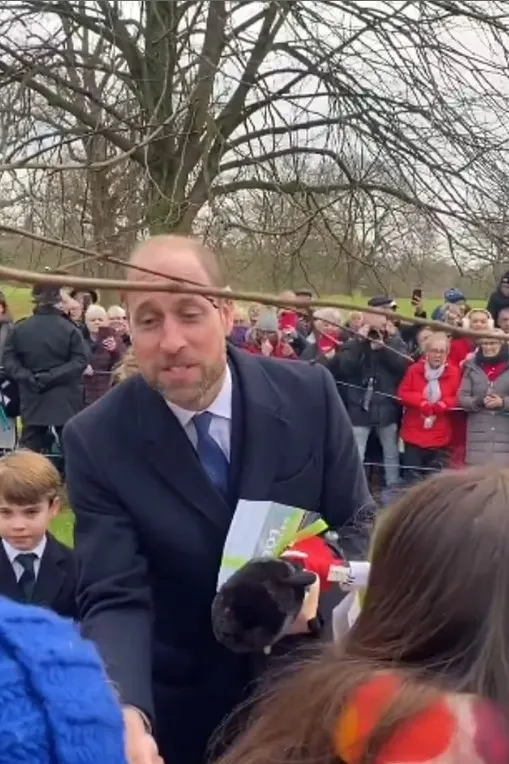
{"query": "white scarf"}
pixel 432 391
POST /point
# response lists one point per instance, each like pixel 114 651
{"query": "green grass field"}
pixel 18 300
pixel 62 527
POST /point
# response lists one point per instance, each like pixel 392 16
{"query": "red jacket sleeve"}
pixel 408 393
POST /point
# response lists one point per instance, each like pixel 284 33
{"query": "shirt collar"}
pixel 12 553
pixel 220 407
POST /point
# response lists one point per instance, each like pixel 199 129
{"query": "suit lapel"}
pixel 258 427
pixel 51 574
pixel 8 583
pixel 259 430
pixel 170 453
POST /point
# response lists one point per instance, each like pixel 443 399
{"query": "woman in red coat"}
pixel 428 394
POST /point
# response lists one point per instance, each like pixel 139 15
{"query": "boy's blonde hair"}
pixel 27 478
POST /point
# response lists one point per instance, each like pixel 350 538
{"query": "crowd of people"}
pixel 158 468
pixel 418 399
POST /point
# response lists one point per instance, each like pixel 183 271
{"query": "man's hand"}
pixel 41 380
pixel 140 746
pixel 89 372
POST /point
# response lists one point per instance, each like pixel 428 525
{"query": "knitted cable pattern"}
pixel 56 706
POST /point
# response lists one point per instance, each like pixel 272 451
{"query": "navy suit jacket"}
pixel 150 528
pixel 55 587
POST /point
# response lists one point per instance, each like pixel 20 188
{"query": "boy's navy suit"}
pixel 55 586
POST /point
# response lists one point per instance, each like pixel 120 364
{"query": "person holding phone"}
pixel 267 339
pixel 409 332
pixel 105 353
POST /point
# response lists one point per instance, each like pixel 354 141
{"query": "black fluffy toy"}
pixel 258 604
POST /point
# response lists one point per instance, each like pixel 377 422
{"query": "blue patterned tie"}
pixel 211 455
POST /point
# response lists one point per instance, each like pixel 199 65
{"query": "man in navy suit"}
pixel 155 470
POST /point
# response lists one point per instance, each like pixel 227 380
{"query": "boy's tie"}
pixel 27 580
pixel 211 455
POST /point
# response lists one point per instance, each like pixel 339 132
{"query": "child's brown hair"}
pixel 26 478
pixel 436 613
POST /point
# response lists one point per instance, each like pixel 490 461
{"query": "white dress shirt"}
pixel 221 410
pixel 12 553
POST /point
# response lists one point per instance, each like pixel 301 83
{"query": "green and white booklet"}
pixel 259 529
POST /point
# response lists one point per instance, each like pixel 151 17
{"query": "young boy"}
pixel 34 566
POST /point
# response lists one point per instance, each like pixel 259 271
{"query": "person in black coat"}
pixel 371 369
pixel 46 355
pixel 174 449
pixel 499 299
pixel 34 567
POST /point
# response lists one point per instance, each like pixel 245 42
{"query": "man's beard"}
pixel 190 396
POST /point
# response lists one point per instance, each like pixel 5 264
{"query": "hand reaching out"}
pixel 140 746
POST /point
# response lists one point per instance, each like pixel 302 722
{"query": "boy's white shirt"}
pixel 12 553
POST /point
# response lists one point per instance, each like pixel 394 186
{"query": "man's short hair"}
pixel 206 256
pixel 27 478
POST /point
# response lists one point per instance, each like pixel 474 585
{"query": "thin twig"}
pixel 175 286
pixel 299 303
